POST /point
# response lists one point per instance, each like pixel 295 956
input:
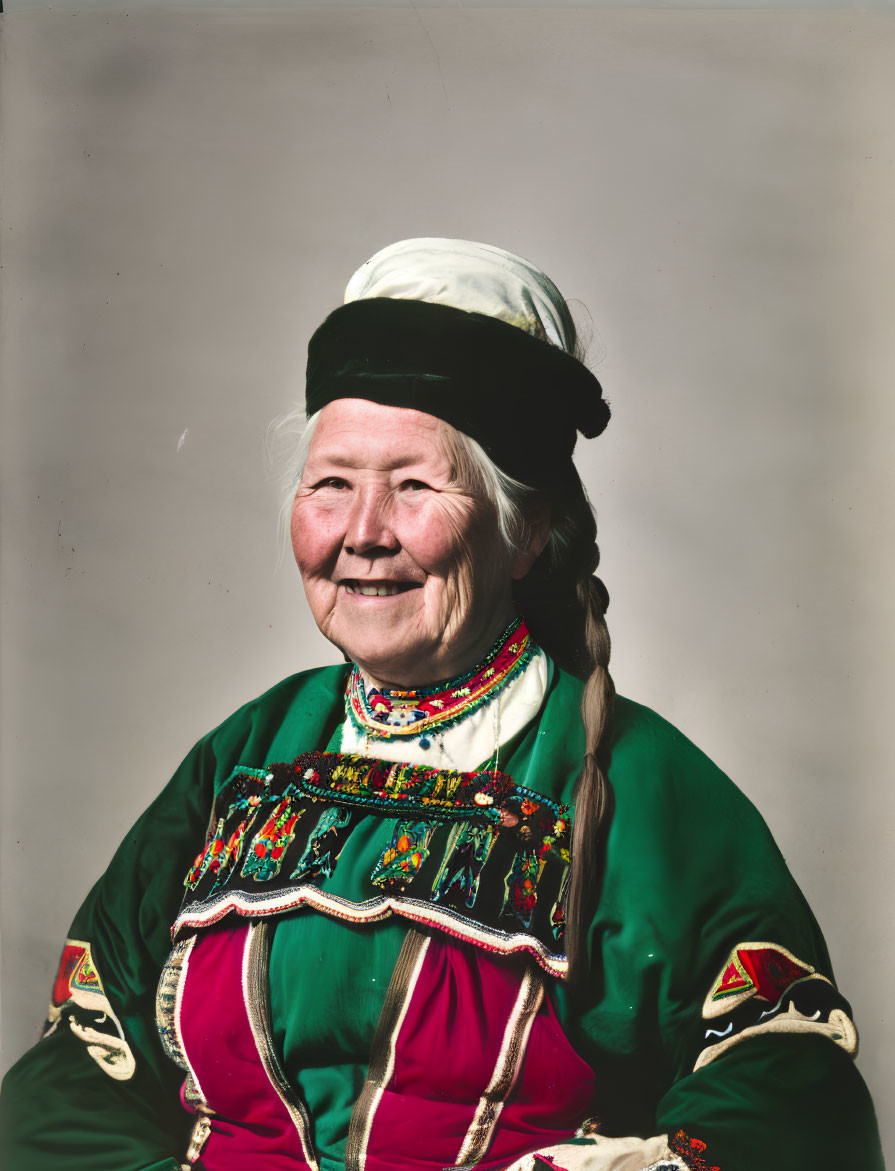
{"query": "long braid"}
pixel 571 627
pixel 592 792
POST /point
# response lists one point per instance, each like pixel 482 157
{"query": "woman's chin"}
pixel 396 661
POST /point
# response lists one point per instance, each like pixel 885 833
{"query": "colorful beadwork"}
pixel 392 787
pixel 391 714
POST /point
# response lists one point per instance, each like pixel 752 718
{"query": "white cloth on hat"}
pixel 479 278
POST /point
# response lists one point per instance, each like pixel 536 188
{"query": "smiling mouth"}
pixel 379 589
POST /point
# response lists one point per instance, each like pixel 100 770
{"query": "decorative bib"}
pixel 473 854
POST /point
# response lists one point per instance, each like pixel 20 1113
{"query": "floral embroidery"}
pixel 691 1151
pixel 208 858
pixel 405 854
pixel 467 852
pixel 324 845
pixel 265 855
pixel 222 851
pixel 520 886
pixel 232 851
pixel 392 714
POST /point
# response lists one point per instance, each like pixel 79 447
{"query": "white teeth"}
pixel 373 591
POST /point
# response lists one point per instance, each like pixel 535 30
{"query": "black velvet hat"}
pixel 523 399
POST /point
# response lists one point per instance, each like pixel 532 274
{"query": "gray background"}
pixel 186 194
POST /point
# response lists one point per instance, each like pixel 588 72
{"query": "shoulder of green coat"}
pixel 649 759
pixel 286 719
pixel 652 760
pixel 687 849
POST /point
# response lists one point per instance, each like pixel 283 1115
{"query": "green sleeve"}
pixel 755 1061
pixel 98 1092
pixel 775 1102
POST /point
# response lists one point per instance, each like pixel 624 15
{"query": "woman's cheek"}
pixel 316 535
pixel 437 535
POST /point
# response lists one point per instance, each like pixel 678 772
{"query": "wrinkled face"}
pixel 403 571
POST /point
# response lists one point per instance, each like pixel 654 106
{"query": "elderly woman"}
pixel 452 904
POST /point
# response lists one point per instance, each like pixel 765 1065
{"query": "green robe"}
pixel 690 872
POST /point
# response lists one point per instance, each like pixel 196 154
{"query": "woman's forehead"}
pixel 357 432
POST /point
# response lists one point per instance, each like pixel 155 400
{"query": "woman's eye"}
pixel 331 482
pixel 413 486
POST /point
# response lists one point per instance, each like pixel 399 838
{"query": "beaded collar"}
pixel 392 715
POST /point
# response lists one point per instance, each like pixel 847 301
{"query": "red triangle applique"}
pixel 733 979
pixel 72 955
pixel 772 971
pixel 76 971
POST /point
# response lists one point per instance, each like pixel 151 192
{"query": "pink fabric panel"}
pixel 445 1053
pixel 552 1097
pixel 220 1047
pixel 445 1056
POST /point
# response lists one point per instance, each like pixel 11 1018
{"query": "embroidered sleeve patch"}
pixel 79 1000
pixel 763 988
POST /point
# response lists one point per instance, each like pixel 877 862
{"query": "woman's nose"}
pixel 369 530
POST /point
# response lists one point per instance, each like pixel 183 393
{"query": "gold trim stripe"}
pixel 255 992
pixel 506 1069
pixel 178 1009
pixel 382 1052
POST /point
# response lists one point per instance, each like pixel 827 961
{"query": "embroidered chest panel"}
pixel 473 854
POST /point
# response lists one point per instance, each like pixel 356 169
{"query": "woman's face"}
pixel 403 571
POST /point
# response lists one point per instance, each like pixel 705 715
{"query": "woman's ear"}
pixel 537 530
